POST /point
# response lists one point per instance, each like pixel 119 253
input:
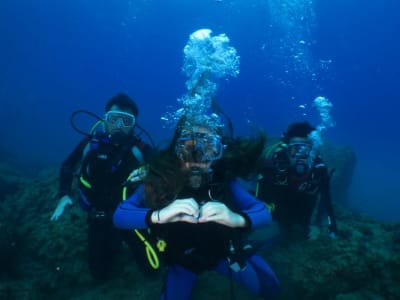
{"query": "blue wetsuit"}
pixel 257 276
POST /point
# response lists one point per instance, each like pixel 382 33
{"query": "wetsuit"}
pixel 194 248
pixel 105 166
pixel 294 198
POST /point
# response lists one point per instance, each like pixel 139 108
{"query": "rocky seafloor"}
pixel 40 259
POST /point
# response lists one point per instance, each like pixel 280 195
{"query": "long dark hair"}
pixel 242 154
pixel 166 178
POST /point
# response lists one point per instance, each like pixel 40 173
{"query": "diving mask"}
pixel 299 150
pixel 120 119
pixel 199 147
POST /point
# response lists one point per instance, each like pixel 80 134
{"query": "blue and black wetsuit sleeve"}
pixel 68 168
pixel 131 213
pixel 252 209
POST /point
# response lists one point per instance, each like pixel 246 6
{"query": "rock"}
pixel 41 259
pixel 341 159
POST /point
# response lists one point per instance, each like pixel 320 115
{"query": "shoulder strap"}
pixel 137 153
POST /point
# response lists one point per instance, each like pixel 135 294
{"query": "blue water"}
pixel 59 56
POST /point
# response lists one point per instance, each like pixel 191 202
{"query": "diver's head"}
pixel 299 146
pixel 198 146
pixel 120 117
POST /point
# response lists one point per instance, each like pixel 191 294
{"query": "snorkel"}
pixel 99 125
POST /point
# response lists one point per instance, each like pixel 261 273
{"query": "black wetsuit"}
pixel 292 198
pixel 104 169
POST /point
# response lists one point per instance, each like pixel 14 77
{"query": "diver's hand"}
pixel 185 210
pixel 64 201
pixel 214 211
pixel 313 232
pixel 138 174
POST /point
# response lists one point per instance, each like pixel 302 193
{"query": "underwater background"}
pixel 57 57
pixel 60 56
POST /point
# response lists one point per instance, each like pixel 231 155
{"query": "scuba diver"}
pixel 191 202
pixel 295 183
pixel 104 159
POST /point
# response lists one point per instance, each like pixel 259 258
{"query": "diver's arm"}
pixel 66 177
pixel 130 214
pixel 326 203
pixel 252 209
pixel 326 198
pixel 68 168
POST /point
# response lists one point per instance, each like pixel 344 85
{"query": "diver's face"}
pixel 299 150
pixel 198 148
pixel 118 121
pixel 201 166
